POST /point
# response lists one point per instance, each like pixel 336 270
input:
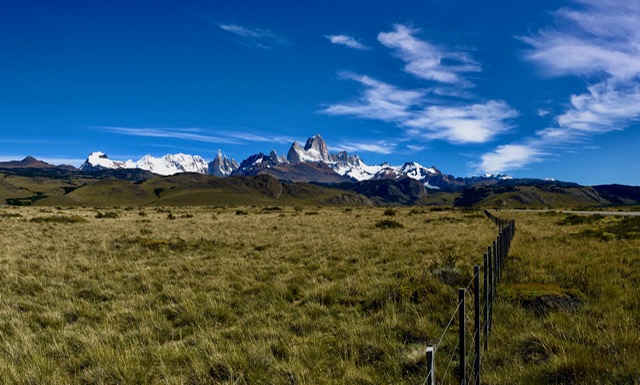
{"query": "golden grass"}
pixel 298 296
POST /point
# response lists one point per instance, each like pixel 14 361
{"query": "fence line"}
pixel 482 313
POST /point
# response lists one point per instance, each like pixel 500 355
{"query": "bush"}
pixel 389 224
pixel 58 219
pixel 389 212
pixel 109 215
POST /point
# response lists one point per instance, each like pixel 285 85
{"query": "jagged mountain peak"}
pixel 316 147
pixel 222 166
pixel 98 160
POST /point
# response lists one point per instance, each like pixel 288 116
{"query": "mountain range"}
pixel 306 175
pixel 309 163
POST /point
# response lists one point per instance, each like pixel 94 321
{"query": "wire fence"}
pixel 465 355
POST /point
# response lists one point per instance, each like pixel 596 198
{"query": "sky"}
pixel 533 89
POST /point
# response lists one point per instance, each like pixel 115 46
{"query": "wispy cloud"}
pixel 379 101
pixel 412 110
pixel 198 135
pixel 176 133
pixel 599 41
pixel 347 40
pixel 415 148
pixel 260 138
pixel 445 111
pixel 473 123
pixel 510 157
pixel 255 37
pixel 378 147
pixel 426 60
pixel 542 112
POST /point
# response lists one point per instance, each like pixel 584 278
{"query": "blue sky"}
pixel 533 89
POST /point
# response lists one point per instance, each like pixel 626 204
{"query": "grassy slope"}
pixel 193 190
pixel 543 197
pixel 15 186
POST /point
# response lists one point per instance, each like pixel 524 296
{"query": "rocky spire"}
pixel 317 146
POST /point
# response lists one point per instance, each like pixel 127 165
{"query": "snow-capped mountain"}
pixel 173 164
pixel 312 163
pixel 316 150
pixel 166 165
pixel 100 161
pixel 222 166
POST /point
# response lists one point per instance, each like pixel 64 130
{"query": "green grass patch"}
pixel 574 219
pixel 58 219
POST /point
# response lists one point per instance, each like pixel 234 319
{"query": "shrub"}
pixel 108 214
pixel 389 212
pixel 574 219
pixel 10 215
pixel 58 219
pixel 389 224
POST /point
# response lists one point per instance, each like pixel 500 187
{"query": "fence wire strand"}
pixel 448 325
pixel 444 376
pixel 486 306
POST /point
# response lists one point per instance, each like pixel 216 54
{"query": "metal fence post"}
pixel 431 366
pixel 485 308
pixel 461 317
pixel 494 284
pixel 498 247
pixel 491 287
pixel 476 311
pixel 463 365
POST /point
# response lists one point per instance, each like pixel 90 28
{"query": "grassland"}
pixel 313 295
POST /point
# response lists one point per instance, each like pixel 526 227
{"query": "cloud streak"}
pixel 426 60
pixel 196 135
pixel 600 41
pixel 379 147
pixel 255 37
pixel 348 41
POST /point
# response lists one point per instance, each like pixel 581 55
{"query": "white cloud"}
pixel 510 157
pixel 475 123
pixel 255 37
pixel 465 123
pixel 378 147
pixel 599 41
pixel 415 148
pixel 177 133
pixel 602 41
pixel 426 60
pixel 195 134
pixel 543 112
pixel 347 40
pixel 260 138
pixel 379 101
